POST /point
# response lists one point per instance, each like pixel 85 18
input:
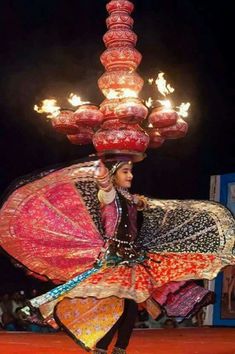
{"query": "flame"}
pixel 48 106
pixel 163 87
pixel 75 100
pixel 150 125
pixel 183 109
pixel 166 104
pixel 166 89
pixel 149 102
pixel 121 93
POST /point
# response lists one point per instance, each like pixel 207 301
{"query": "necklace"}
pixel 126 194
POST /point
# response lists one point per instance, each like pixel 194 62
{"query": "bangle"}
pixel 104 184
pixel 106 188
pixel 103 180
pixel 103 177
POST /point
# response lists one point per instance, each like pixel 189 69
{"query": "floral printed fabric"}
pixel 46 224
pixel 140 281
pixel 187 226
pixel 75 314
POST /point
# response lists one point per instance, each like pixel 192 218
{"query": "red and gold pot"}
pixel 120 5
pixel 65 122
pixel 119 37
pixel 161 117
pixel 82 137
pixel 131 110
pixel 108 108
pixel 120 84
pixel 116 135
pixel 176 131
pixel 121 58
pixel 155 138
pixel 88 115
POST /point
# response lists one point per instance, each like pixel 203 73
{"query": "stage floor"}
pixel 159 341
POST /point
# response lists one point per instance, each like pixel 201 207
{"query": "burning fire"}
pixel 183 109
pixel 48 106
pixel 122 93
pixel 166 104
pixel 75 100
pixel 149 102
pixel 166 89
pixel 163 87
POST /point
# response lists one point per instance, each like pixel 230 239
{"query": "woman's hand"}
pixel 141 202
pixel 101 170
pixel 102 177
pixel 106 193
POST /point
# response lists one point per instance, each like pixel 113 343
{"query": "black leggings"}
pixel 124 327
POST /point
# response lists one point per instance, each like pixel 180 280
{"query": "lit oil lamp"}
pixel 163 115
pixel 62 120
pixel 176 131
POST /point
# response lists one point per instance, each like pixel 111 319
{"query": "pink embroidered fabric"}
pixel 187 300
pixel 109 215
pixel 46 226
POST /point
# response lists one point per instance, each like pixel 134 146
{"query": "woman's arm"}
pixel 107 192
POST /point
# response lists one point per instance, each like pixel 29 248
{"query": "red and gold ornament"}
pixel 88 115
pixel 161 117
pixel 155 138
pixel 176 131
pixel 115 135
pixel 82 137
pixel 65 122
pixel 131 110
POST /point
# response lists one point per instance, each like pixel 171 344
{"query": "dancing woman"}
pixel 79 229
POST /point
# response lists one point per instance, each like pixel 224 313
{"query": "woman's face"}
pixel 123 176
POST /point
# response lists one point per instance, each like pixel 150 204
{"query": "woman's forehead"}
pixel 126 166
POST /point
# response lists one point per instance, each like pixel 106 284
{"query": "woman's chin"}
pixel 127 185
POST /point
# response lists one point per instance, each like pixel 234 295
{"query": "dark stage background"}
pixel 52 48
